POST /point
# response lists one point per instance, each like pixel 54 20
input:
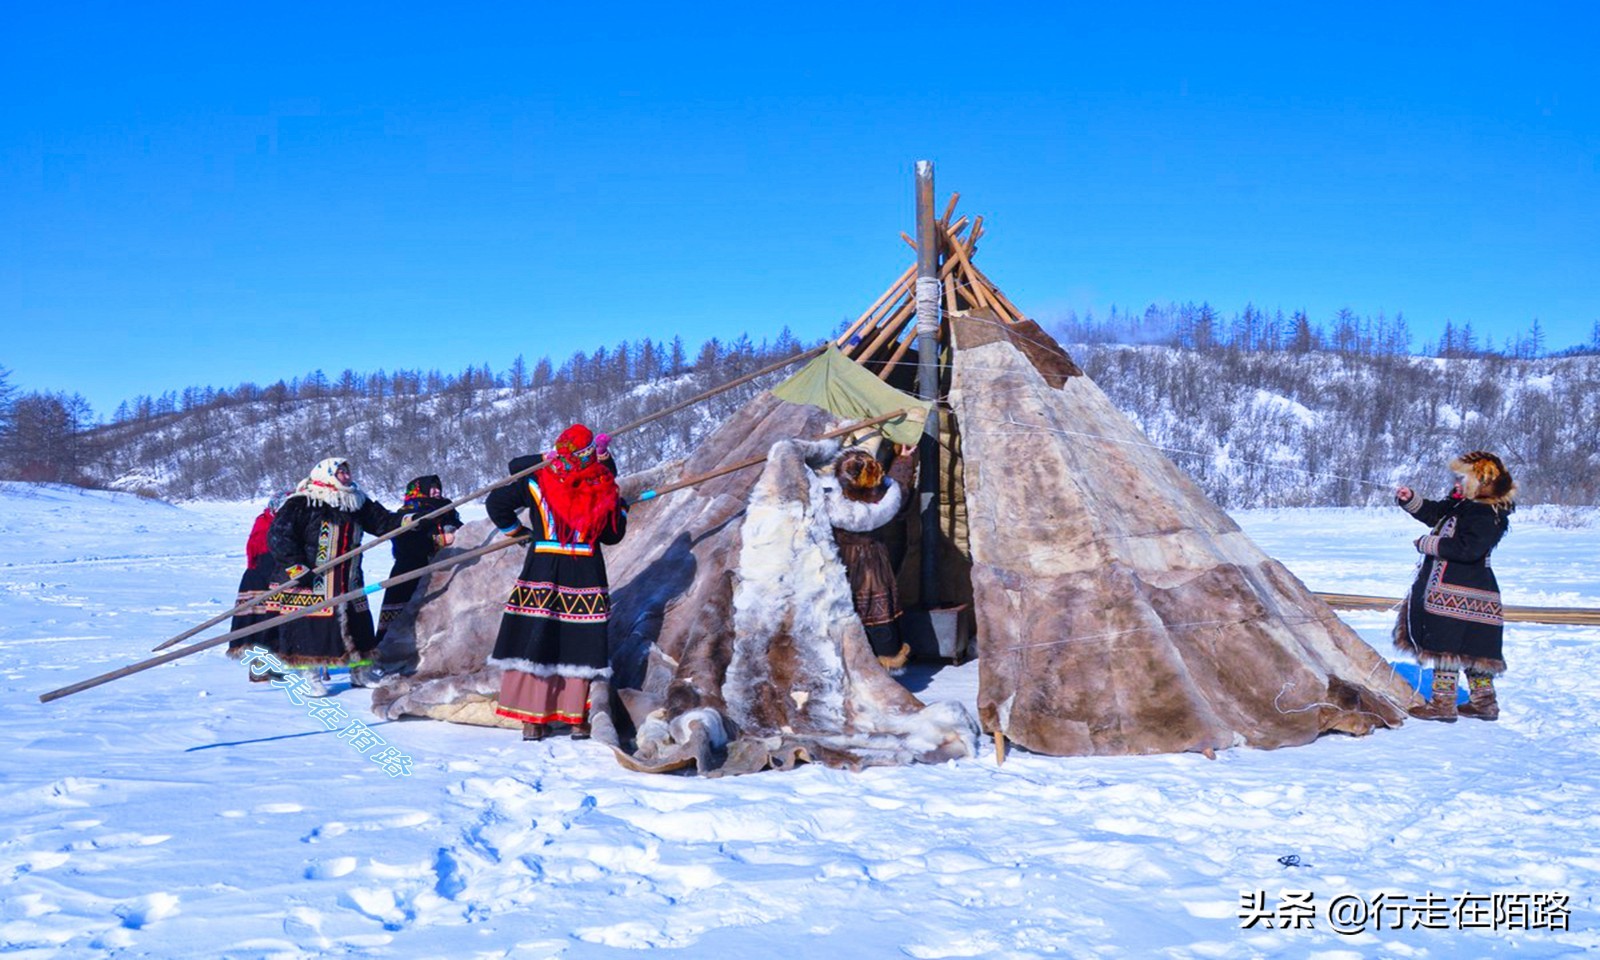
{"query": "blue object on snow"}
pixel 1421 680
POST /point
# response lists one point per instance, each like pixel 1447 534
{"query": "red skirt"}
pixel 535 699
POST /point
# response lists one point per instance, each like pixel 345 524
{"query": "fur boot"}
pixel 1443 704
pixel 1482 705
pixel 896 664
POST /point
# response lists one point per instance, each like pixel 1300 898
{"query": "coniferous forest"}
pixel 1262 409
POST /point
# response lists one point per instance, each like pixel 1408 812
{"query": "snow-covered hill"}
pixel 1327 429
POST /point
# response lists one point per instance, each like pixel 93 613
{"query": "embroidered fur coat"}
pixel 1452 616
pixel 555 619
pixel 308 532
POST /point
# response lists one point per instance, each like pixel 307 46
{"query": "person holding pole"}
pixel 552 640
pixel 417 547
pixel 322 519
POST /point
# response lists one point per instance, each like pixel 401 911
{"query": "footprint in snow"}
pixel 140 913
pixel 331 868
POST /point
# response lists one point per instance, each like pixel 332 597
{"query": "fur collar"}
pixel 855 515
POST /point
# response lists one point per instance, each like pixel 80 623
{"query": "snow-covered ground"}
pixel 182 812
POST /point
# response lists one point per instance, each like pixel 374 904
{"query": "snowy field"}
pixel 185 813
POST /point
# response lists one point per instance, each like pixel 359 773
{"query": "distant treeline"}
pixel 626 362
pixel 1200 327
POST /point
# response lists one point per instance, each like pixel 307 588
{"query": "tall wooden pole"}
pixel 928 294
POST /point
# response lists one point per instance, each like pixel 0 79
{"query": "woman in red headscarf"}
pixel 552 640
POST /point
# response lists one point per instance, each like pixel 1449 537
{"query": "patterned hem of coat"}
pixel 1431 658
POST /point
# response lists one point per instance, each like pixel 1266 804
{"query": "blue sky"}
pixel 206 194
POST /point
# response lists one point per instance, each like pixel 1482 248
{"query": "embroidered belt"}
pixel 565 549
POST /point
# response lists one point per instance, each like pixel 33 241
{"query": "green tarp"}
pixel 841 386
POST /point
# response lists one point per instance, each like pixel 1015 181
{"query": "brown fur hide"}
pixel 1119 610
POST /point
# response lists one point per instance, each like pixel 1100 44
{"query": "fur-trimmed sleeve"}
pixel 847 514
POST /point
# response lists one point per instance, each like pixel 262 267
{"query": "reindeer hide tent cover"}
pixel 1118 611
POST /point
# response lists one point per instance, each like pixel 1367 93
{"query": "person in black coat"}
pixel 417 547
pixel 322 519
pixel 1452 618
pixel 552 640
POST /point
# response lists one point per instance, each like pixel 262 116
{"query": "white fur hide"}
pixel 802 669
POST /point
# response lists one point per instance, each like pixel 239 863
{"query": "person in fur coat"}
pixel 861 502
pixel 552 640
pixel 417 547
pixel 323 518
pixel 1452 617
pixel 256 585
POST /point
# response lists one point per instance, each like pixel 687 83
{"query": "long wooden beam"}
pixel 900 285
pixel 1587 616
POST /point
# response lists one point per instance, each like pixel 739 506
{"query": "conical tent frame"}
pixel 884 334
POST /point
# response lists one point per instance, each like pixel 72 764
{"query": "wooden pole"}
pixel 898 287
pixel 1513 614
pixel 902 322
pixel 892 328
pixel 928 290
pixel 949 209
